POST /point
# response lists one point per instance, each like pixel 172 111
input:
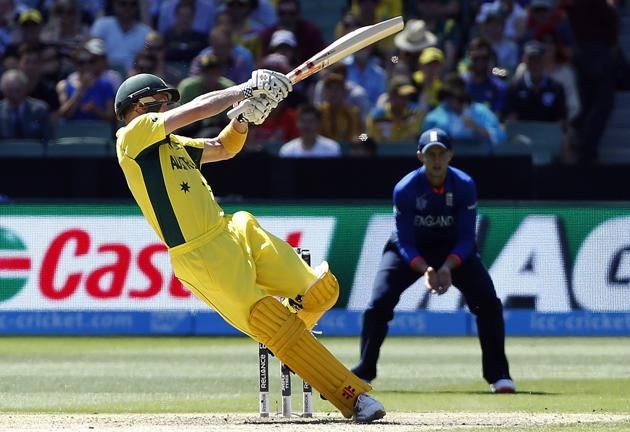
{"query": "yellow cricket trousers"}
pixel 238 263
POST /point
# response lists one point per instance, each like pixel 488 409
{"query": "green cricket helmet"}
pixel 139 86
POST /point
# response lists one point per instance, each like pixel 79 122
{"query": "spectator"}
pixel 461 118
pixel 481 83
pixel 144 62
pixel 244 28
pixel 38 87
pixel 183 42
pixel 385 9
pixel 65 27
pixel 596 29
pixel 264 13
pixel 340 120
pixel 412 40
pixel 30 21
pixel 123 33
pixel 85 96
pixel 310 143
pixel 355 94
pixel 368 12
pixel 92 9
pixel 427 79
pixel 544 18
pixel 9 28
pixel 557 66
pixel 535 96
pixel 21 116
pixel 308 35
pixel 202 18
pixel 349 22
pixel 439 18
pixel 283 42
pixel 399 119
pixel 156 45
pixel 53 69
pixel 210 78
pixel 515 17
pixel 492 28
pixel 363 69
pixel 100 64
pixel 280 126
pixel 238 60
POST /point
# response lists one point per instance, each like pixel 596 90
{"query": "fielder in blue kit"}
pixel 436 210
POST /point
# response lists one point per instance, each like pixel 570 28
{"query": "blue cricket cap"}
pixel 433 137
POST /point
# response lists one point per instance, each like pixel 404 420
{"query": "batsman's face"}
pixel 155 103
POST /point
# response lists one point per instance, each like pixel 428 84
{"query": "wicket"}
pixel 285 376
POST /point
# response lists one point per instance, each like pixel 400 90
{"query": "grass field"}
pixel 564 384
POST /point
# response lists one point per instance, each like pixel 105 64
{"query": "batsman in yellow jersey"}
pixel 229 261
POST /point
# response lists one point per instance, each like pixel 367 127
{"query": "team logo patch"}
pixel 449 199
pixel 349 392
pixel 421 203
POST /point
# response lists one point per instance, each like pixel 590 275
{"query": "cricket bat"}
pixel 341 48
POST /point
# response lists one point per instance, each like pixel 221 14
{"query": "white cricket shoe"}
pixel 367 409
pixel 504 385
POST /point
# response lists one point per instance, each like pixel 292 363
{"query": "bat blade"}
pixel 338 50
pixel 344 46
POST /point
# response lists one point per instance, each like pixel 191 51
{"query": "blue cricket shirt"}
pixel 435 223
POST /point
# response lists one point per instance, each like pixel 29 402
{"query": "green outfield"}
pixel 219 375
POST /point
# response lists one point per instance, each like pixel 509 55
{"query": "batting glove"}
pixel 255 110
pixel 267 83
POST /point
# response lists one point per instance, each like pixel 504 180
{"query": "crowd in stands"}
pixel 470 67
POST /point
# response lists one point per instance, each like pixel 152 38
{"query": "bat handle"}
pixel 236 111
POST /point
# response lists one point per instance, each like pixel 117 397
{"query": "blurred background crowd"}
pixel 474 68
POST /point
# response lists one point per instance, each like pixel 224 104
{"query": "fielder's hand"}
pixel 437 282
pixel 444 279
pixel 267 83
pixel 255 110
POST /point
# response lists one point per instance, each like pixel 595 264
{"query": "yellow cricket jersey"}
pixel 163 175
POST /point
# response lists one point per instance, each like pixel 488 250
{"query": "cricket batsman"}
pixel 229 261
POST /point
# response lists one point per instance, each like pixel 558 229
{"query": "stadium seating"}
pixel 465 147
pixel 82 138
pixel 21 148
pixel 403 148
pixel 544 139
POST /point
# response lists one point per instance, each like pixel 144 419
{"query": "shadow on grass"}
pixel 467 392
pixel 333 419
